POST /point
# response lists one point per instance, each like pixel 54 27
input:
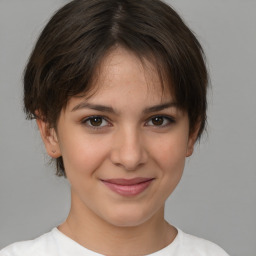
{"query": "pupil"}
pixel 96 121
pixel 157 121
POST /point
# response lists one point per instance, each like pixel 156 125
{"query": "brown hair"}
pixel 80 34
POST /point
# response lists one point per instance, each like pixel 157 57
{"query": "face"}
pixel 123 148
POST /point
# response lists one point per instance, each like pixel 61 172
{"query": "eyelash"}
pixel 170 120
pixel 90 118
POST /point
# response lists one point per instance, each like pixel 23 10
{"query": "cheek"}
pixel 170 157
pixel 83 155
pixel 170 152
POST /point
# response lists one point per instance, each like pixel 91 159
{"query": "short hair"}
pixel 75 40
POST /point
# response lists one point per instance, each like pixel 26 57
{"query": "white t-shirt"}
pixel 55 243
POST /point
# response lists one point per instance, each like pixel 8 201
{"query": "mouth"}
pixel 128 187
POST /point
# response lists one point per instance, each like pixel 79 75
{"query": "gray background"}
pixel 216 198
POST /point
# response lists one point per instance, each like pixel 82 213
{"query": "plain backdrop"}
pixel 216 198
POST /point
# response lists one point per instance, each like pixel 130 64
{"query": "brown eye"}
pixel 95 121
pixel 159 120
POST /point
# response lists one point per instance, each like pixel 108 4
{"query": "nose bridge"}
pixel 128 149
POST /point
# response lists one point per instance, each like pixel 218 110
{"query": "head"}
pixel 68 54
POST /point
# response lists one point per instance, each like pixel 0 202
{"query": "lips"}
pixel 128 187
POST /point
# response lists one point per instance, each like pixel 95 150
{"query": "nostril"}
pixel 128 148
pixel 129 159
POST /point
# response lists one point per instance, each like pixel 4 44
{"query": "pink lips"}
pixel 128 187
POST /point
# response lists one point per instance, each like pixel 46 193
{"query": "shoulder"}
pixel 199 246
pixel 31 247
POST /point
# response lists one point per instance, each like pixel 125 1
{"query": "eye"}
pixel 160 121
pixel 95 122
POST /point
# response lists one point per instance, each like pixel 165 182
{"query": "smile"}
pixel 128 187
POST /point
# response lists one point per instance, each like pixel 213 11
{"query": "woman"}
pixel 118 90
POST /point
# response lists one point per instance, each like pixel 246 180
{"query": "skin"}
pixel 128 143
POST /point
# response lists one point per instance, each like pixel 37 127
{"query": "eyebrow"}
pixel 97 107
pixel 160 107
pixel 109 109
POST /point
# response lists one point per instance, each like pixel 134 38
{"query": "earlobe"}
pixel 190 148
pixel 50 139
pixel 191 141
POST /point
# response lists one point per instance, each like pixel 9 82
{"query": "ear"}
pixel 192 140
pixel 50 139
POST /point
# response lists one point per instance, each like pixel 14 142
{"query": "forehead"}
pixel 125 85
pixel 123 72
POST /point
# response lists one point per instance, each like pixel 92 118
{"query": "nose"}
pixel 128 149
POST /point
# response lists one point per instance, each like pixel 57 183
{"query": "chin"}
pixel 128 217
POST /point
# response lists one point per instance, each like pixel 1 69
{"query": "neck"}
pixel 90 231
